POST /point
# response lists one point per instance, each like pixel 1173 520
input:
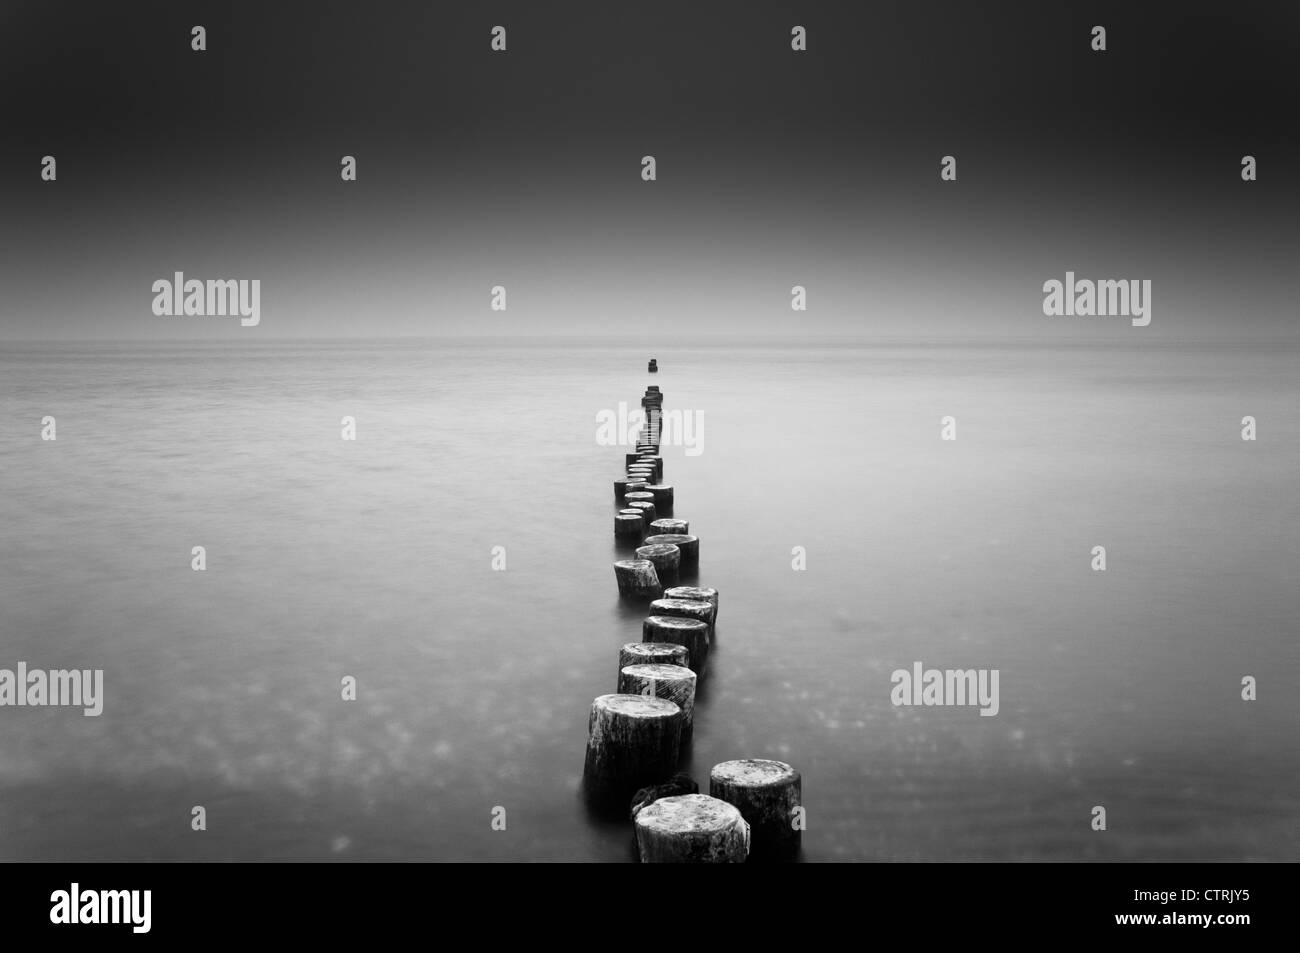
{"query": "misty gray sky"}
pixel 523 169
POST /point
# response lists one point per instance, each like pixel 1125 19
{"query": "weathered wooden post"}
pixel 629 525
pixel 767 794
pixel 651 653
pixel 647 510
pixel 691 828
pixel 637 578
pixel 663 494
pixel 686 608
pixel 673 682
pixel 650 470
pixel 688 544
pixel 691 634
pixel 625 485
pixel 631 741
pixel 639 515
pixel 696 594
pixel 664 527
pixel 667 559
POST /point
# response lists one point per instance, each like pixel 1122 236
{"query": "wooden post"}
pixel 663 494
pixel 639 515
pixel 631 741
pixel 696 594
pixel 625 485
pixel 638 496
pixel 637 578
pixel 685 608
pixel 688 544
pixel 629 525
pixel 651 653
pixel 673 682
pixel 657 462
pixel 691 828
pixel 692 634
pixel 766 793
pixel 664 527
pixel 666 557
pixel 647 510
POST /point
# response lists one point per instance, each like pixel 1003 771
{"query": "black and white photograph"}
pixel 779 433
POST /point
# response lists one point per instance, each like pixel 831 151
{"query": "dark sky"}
pixel 523 169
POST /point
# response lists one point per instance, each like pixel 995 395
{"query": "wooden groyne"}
pixel 638 735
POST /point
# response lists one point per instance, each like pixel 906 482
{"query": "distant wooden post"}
pixel 688 545
pixel 663 494
pixel 692 634
pixel 647 510
pixel 629 525
pixel 657 462
pixel 624 485
pixel 668 526
pixel 637 578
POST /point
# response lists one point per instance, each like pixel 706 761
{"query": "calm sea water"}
pixel 373 559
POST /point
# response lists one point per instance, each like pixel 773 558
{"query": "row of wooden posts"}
pixel 636 736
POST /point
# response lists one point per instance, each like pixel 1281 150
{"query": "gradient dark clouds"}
pixel 523 169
